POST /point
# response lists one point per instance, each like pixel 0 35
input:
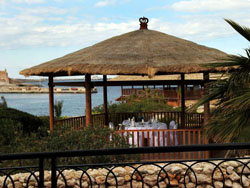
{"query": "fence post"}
pixel 41 173
pixel 183 113
pixel 53 173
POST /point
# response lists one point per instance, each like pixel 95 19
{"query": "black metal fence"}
pixel 221 172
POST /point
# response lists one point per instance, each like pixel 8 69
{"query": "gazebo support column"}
pixel 88 99
pixel 206 105
pixel 51 103
pixel 105 100
pixel 182 100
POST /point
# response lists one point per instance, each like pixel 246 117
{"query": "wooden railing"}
pixel 166 137
pixel 72 122
pixel 98 119
pixel 192 134
pixel 168 93
pixel 80 121
pixel 192 120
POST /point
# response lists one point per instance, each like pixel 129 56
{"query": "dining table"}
pixel 150 138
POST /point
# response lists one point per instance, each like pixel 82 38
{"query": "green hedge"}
pixel 63 139
pixel 14 126
pixel 29 123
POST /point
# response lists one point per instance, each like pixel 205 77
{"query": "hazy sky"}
pixel 35 31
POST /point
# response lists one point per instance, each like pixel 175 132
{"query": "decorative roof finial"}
pixel 143 23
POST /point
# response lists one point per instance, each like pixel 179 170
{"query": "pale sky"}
pixel 35 31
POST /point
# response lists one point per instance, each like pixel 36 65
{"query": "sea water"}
pixel 73 104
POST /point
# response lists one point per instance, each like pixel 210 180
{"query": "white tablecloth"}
pixel 153 126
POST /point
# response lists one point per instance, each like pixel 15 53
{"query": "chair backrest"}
pixel 173 125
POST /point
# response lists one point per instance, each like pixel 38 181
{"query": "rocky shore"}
pixel 235 174
pixel 17 89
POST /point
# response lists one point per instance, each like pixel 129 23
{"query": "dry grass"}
pixel 141 52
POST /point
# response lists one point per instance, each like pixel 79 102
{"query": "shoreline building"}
pixel 4 78
pixel 171 94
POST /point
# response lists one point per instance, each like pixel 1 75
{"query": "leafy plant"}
pixel 3 104
pixel 230 121
pixel 58 108
pixel 9 130
pixel 29 122
pixel 148 101
pixel 60 139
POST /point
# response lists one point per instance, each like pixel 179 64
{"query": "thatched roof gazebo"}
pixel 141 52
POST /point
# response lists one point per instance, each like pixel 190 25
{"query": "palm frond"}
pixel 242 75
pixel 217 91
pixel 230 121
pixel 244 31
pixel 228 127
pixel 248 52
pixel 241 102
pixel 230 61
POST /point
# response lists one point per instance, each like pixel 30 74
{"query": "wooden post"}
pixel 206 105
pixel 122 90
pixel 206 113
pixel 51 103
pixel 122 94
pixel 105 100
pixel 88 99
pixel 182 101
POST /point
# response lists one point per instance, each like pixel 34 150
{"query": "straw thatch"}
pixel 195 76
pixel 141 52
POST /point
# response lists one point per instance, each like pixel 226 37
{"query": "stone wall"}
pixel 235 174
pixel 4 77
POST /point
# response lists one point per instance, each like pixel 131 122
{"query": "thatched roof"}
pixel 195 76
pixel 141 52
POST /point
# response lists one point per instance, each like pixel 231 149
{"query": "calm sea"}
pixel 73 104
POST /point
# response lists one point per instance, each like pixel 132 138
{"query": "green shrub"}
pixel 3 104
pixel 9 131
pixel 135 106
pixel 44 128
pixel 63 139
pixel 91 137
pixel 29 122
pixel 58 108
pixel 148 101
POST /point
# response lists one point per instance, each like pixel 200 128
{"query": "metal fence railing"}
pixel 223 172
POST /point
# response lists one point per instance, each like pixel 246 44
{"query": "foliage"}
pixel 58 108
pixel 60 139
pixel 230 120
pixel 9 130
pixel 3 104
pixel 147 95
pixel 29 122
pixel 44 128
pixel 111 108
pixel 148 101
pixel 91 137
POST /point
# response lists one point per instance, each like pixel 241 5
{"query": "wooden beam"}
pixel 206 105
pixel 183 101
pixel 88 99
pixel 105 100
pixel 132 82
pixel 51 103
pixel 122 94
pixel 122 90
